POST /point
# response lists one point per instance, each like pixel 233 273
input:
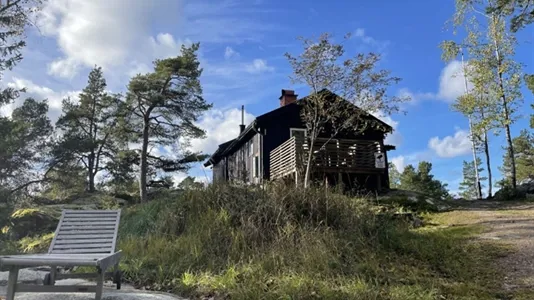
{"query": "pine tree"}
pixel 422 181
pixel 524 159
pixel 164 106
pixel 469 186
pixel 88 127
pixel 14 17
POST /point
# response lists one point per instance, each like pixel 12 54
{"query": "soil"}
pixel 511 224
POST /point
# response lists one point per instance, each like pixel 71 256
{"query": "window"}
pixel 256 167
pixel 251 148
pixel 298 132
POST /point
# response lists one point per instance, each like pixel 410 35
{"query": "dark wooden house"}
pixel 274 146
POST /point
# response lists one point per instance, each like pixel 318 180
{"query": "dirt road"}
pixel 511 224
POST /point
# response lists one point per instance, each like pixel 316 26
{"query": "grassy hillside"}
pixel 284 243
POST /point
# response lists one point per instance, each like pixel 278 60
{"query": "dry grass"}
pixel 282 243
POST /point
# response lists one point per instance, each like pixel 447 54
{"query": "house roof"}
pixel 230 146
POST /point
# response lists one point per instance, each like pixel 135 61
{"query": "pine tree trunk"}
pixel 90 174
pixel 143 165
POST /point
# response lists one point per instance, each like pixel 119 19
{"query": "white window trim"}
pixel 298 129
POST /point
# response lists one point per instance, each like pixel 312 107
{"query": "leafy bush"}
pixel 508 193
pixel 287 243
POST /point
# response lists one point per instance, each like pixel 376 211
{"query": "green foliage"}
pixel 14 17
pixel 24 139
pixel 286 243
pixel 190 183
pixel 508 193
pixel 88 128
pixel 423 182
pixel 356 80
pixel 522 12
pixel 468 187
pixel 524 159
pixel 529 81
pixel 27 222
pixel 36 244
pixel 164 106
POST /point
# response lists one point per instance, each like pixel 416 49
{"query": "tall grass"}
pixel 288 243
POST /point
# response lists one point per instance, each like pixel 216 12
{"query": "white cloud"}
pixel 451 146
pixel 399 162
pixel 415 97
pixel 230 53
pixel 92 32
pixel 66 68
pixel 38 92
pixel 259 66
pixel 394 138
pixel 452 82
pixel 220 126
pixel 164 45
pixel 360 34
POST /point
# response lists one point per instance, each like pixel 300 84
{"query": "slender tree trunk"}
pixel 478 187
pixel 473 144
pixel 308 162
pixel 506 115
pixel 488 164
pixel 144 164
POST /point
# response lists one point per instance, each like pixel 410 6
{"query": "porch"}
pixel 330 156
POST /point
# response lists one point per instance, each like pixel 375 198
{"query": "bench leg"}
pixel 99 284
pixel 53 272
pixel 12 283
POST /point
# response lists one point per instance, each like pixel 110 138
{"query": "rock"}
pixel 127 292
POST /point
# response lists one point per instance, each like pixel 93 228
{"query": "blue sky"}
pixel 242 53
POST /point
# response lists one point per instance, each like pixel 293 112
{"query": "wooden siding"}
pixel 239 165
pixel 330 156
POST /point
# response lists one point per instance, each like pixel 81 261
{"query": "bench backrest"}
pixel 86 232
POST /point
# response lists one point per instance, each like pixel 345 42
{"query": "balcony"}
pixel 329 156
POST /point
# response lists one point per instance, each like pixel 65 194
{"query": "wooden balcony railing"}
pixel 335 155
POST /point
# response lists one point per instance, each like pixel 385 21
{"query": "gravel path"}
pixel 513 225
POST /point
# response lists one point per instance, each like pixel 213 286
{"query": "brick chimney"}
pixel 288 97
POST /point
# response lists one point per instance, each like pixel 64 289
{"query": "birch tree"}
pixel 355 80
pixel 505 72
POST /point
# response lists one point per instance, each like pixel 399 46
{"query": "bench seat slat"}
pixel 83 251
pixel 81 228
pixel 93 223
pixel 87 246
pixel 74 237
pixel 97 239
pixel 89 232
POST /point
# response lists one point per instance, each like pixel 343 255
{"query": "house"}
pixel 274 146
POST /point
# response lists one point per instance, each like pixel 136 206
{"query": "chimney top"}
pixel 287 97
pixel 242 126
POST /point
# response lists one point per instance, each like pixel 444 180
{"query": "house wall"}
pixel 241 162
pixel 277 130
